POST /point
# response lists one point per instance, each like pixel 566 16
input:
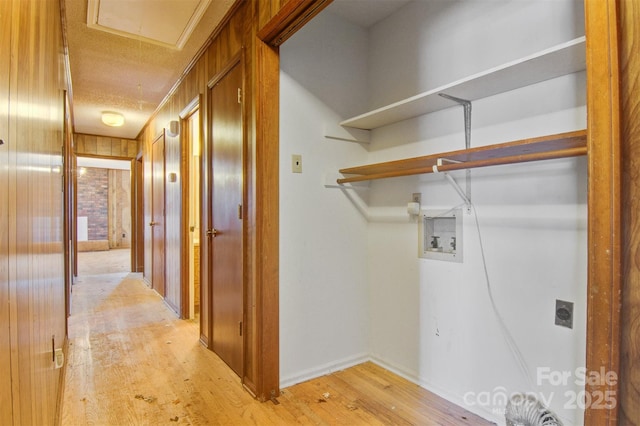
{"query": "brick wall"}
pixel 93 192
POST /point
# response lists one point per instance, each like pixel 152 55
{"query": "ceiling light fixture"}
pixel 112 119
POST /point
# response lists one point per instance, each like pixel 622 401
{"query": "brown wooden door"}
pixel 5 348
pixel 157 216
pixel 226 211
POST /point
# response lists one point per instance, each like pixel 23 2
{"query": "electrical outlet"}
pixel 296 163
pixel 564 313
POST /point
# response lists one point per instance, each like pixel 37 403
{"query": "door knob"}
pixel 212 232
pixel 152 223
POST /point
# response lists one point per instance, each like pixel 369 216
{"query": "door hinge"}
pixel 240 327
pixel 239 95
pixel 240 211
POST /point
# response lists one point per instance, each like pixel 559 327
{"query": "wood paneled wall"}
pixel 237 36
pixel 104 146
pixel 32 284
pixel 629 401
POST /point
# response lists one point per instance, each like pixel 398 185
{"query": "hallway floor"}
pixel 132 362
pixel 104 262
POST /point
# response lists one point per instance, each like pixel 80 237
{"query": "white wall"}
pixel 432 321
pixel 429 43
pixel 323 241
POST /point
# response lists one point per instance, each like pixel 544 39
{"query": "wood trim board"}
pixel 604 206
pixel 629 38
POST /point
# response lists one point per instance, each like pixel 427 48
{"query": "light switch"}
pixel 58 358
pixel 296 163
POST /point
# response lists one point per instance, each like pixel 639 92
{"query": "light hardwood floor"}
pixel 131 361
pixel 104 262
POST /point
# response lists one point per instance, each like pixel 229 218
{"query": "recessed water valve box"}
pixel 440 235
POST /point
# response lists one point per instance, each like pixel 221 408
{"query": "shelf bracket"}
pixel 466 105
pixel 330 181
pixel 441 161
pixel 458 189
pixel 347 134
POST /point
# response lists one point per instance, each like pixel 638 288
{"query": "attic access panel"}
pixel 167 23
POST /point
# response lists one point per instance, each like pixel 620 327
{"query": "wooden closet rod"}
pixel 521 158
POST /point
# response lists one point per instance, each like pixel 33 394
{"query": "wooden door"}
pixel 5 352
pixel 226 219
pixel 157 216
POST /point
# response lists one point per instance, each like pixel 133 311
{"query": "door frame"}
pixel 185 172
pixel 153 281
pixel 604 281
pixel 74 201
pixel 137 213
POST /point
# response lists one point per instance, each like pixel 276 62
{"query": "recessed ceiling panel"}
pixel 165 22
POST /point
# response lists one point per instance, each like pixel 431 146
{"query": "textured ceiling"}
pixel 130 74
pixel 111 72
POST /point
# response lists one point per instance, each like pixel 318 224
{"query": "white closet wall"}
pixel 432 321
pixel 323 242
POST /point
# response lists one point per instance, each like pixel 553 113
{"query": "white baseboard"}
pixel 323 370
